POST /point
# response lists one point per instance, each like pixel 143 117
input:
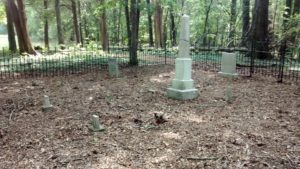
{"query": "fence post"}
pixel 165 53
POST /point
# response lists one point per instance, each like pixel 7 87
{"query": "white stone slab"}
pixel 228 64
pixel 184 41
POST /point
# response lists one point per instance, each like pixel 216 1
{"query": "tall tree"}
pixel 128 25
pixel 20 23
pixel 134 31
pixel 259 32
pixel 10 30
pixel 296 7
pixel 173 31
pixel 207 12
pixel 158 24
pixel 60 34
pixel 103 27
pixel 246 20
pixel 150 28
pixel 232 23
pixel 46 25
pixel 75 21
pixel 80 22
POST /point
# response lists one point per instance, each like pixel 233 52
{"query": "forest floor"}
pixel 258 127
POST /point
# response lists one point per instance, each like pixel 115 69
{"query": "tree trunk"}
pixel 134 18
pixel 10 30
pixel 150 28
pixel 246 20
pixel 259 32
pixel 173 32
pixel 158 24
pixel 119 25
pixel 232 23
pixel 60 35
pixel 165 30
pixel 86 31
pixel 296 7
pixel 20 22
pixel 75 21
pixel 103 29
pixel 46 25
pixel 286 16
pixel 208 8
pixel 127 17
pixel 80 23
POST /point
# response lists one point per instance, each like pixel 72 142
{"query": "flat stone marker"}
pixel 228 65
pixel 96 127
pixel 113 68
pixel 47 105
pixel 183 85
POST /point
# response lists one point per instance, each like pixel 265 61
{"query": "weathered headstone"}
pixel 183 85
pixel 113 68
pixel 228 65
pixel 229 94
pixel 96 127
pixel 47 105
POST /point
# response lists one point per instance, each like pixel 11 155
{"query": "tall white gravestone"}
pixel 183 85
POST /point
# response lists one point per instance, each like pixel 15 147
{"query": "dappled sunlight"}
pixel 110 162
pixel 192 118
pixel 171 135
pixel 162 78
pixel 164 157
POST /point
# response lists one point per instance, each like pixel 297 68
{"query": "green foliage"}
pixel 217 27
pixel 2 13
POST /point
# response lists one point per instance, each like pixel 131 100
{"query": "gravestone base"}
pixel 183 85
pixel 187 94
pixel 47 108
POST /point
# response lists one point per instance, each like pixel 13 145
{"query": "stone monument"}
pixel 183 85
pixel 228 65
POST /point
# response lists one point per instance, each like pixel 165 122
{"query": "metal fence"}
pixel 282 66
pixel 82 60
pixel 73 61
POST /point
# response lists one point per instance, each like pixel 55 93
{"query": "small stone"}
pixel 34 83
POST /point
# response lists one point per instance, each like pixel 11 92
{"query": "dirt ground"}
pixel 241 123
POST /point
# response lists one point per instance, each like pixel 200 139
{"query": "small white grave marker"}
pixel 228 65
pixel 96 127
pixel 47 105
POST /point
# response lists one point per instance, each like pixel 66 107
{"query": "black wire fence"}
pixel 74 60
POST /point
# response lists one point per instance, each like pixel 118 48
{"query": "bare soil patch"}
pixel 258 128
